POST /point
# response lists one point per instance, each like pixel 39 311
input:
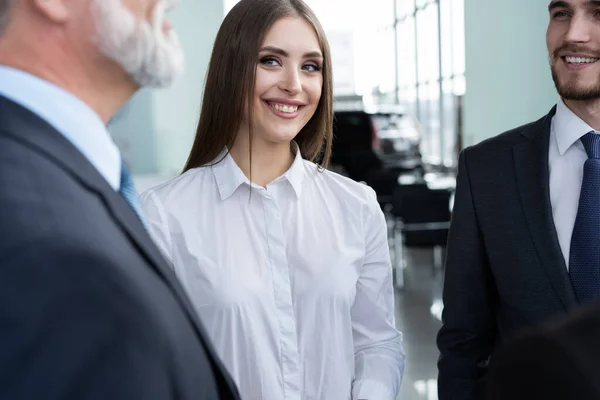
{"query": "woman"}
pixel 287 263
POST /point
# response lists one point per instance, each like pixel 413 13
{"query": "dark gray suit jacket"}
pixel 504 269
pixel 88 307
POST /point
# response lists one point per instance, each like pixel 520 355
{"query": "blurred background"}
pixel 415 82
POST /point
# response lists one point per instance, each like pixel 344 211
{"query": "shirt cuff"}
pixel 367 389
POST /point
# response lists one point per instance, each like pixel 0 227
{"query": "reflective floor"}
pixel 418 309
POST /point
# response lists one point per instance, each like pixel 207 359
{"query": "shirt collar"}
pixel 295 175
pixel 229 176
pixel 69 115
pixel 568 127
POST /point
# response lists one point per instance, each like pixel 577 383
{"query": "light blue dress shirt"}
pixel 69 115
pixel 566 157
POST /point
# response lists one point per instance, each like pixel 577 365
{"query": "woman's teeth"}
pixel 284 108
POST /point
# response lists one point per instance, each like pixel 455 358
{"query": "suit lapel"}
pixel 44 139
pixel 531 163
pixel 131 225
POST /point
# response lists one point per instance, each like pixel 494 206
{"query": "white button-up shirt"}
pixel 566 158
pixel 293 282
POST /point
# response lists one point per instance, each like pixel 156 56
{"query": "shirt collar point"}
pixel 295 175
pixel 225 175
pixel 568 127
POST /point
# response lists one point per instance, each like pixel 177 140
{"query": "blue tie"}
pixel 129 193
pixel 584 259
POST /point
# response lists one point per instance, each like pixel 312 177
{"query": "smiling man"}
pixel 89 309
pixel 523 245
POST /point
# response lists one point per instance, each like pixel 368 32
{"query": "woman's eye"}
pixel 270 61
pixel 311 67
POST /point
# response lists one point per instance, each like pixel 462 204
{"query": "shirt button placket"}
pixel 290 357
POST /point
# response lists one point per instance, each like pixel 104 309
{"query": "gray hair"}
pixel 5 7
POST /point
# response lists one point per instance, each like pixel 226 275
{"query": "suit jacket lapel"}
pixel 131 225
pixel 28 128
pixel 531 163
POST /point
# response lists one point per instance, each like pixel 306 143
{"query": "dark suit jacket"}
pixel 504 268
pixel 88 307
pixel 558 361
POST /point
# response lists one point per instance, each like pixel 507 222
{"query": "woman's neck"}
pixel 269 160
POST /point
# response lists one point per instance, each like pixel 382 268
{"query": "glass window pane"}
pixel 428 44
pixel 446 36
pixel 408 99
pixel 385 65
pixel 423 117
pixel 374 14
pixel 449 123
pixel 385 11
pixel 458 36
pixel 407 69
pixel 422 3
pixel 342 44
pixel 404 8
pixel 433 123
pixel 423 109
pixel 459 85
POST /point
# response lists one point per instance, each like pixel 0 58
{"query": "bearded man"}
pixel 524 244
pixel 89 309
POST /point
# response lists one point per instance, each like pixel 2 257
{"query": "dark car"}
pixel 375 144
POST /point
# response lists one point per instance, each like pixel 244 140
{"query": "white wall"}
pixel 507 74
pixel 156 129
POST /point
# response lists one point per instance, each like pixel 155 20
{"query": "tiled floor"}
pixel 418 308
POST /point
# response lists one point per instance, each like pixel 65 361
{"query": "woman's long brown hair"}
pixel 230 83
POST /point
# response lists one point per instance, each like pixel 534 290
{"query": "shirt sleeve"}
pixel 156 221
pixel 378 351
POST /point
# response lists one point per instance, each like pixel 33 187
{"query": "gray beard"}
pixel 150 57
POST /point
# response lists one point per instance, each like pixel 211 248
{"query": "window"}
pixel 404 8
pixel 458 36
pixel 428 44
pixel 383 60
pixel 431 71
pixel 407 67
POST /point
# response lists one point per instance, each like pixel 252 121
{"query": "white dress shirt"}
pixel 566 158
pixel 70 116
pixel 293 282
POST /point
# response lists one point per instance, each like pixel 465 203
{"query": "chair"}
pixel 421 217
